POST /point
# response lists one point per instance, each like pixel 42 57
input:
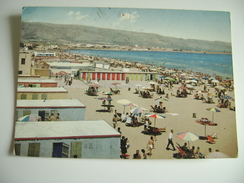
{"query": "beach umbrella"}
pixel 138 110
pixel 104 98
pixel 227 97
pixel 153 83
pixel 200 91
pixel 213 110
pixel 171 79
pixel 138 85
pixel 161 100
pixel 94 85
pixel 123 101
pixel 206 78
pixel 128 105
pixel 155 116
pixel 31 117
pixel 187 136
pixel 216 155
pixel 107 93
pixel 215 81
pixel 183 88
pixel 115 84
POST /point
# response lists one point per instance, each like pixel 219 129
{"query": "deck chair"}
pixel 210 140
pixel 182 153
pixel 214 135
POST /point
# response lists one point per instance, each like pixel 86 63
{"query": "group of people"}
pixel 145 94
pixel 53 118
pixel 183 93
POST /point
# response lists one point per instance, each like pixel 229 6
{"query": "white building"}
pixel 67 139
pixel 69 109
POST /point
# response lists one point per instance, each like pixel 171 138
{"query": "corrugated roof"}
pixel 36 81
pixel 57 103
pixel 63 129
pixel 42 89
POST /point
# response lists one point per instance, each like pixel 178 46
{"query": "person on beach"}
pixel 52 118
pixel 170 141
pixel 58 117
pixel 137 155
pixel 150 145
pixel 144 154
pixel 115 121
pixel 123 145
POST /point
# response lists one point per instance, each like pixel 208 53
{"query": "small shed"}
pixel 41 93
pixel 37 83
pixel 68 109
pixel 67 139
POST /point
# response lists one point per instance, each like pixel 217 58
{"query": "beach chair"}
pixel 210 140
pixel 214 135
pixel 182 153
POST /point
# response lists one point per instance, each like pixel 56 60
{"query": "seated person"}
pixel 159 109
pixel 196 96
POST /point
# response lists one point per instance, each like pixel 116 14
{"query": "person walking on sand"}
pixel 170 140
pixel 115 121
pixel 150 145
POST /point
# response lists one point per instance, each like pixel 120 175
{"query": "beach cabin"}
pixel 67 139
pixel 37 83
pixel 69 109
pixel 41 93
pixel 70 68
pixel 117 75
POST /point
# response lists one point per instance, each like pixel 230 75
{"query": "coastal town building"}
pixel 68 109
pixel 37 83
pixel 25 66
pixel 67 139
pixel 41 93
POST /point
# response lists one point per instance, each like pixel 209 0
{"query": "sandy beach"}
pixel 182 122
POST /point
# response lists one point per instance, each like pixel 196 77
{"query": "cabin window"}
pixel 17 148
pixel 22 61
pixel 20 72
pixel 34 149
pixel 44 96
pixel 23 96
pixel 35 97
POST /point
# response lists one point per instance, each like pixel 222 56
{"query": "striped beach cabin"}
pixel 41 93
pixel 67 139
pixel 118 75
pixel 69 109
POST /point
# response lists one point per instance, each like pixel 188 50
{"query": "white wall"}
pixel 98 148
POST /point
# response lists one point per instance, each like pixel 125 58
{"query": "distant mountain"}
pixel 47 33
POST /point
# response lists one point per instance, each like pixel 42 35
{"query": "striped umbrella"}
pixel 155 116
pixel 31 117
pixel 104 98
pixel 213 110
pixel 187 136
pixel 161 100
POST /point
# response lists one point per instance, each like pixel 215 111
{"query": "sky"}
pixel 186 24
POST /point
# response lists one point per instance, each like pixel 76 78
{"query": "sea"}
pixel 211 64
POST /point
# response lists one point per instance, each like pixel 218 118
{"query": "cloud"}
pixel 81 17
pixel 127 17
pixel 76 15
pixel 70 13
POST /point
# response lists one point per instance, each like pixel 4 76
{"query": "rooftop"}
pixel 36 81
pixel 42 90
pixel 64 130
pixel 57 103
